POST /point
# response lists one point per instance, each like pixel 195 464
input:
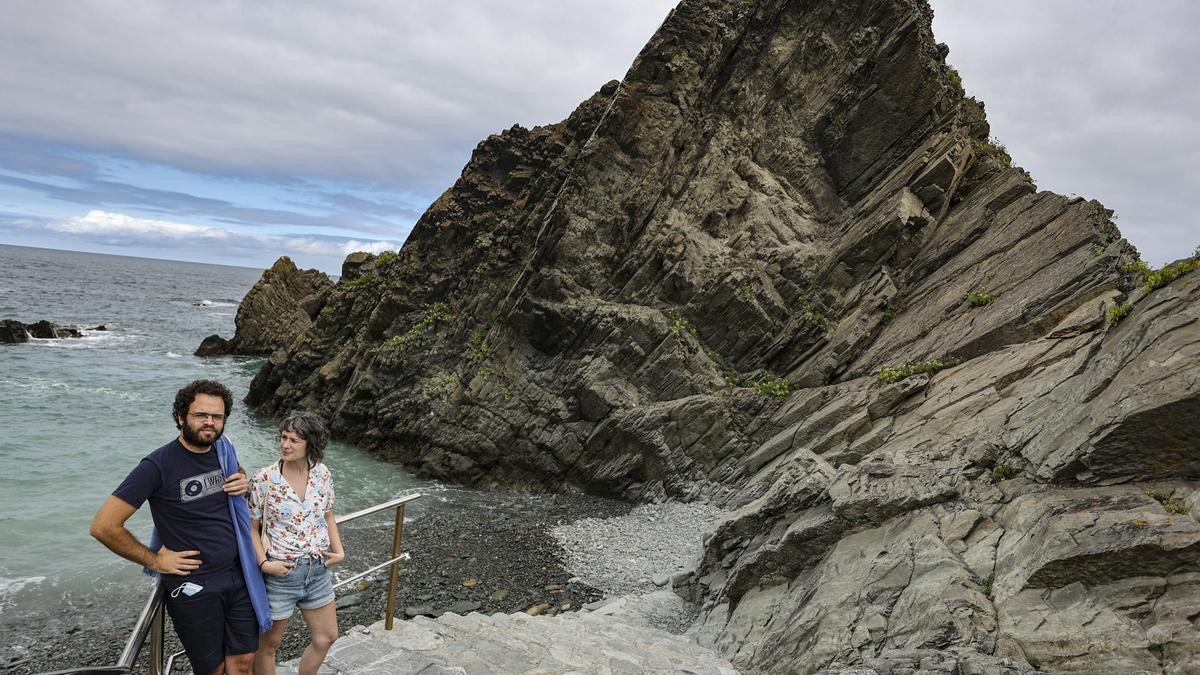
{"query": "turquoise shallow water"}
pixel 77 415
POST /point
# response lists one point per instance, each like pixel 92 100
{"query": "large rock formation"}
pixel 277 310
pixel 704 283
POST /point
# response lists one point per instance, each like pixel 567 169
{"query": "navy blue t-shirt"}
pixel 187 502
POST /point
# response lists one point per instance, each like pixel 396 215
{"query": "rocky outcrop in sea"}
pixel 13 332
pixel 276 311
pixel 783 268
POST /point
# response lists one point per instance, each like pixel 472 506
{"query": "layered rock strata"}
pixel 781 267
pixel 279 309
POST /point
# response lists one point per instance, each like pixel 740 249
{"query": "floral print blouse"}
pixel 293 528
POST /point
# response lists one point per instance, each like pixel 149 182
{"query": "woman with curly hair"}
pixel 291 506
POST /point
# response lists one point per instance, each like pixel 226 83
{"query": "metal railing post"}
pixel 156 641
pixel 397 534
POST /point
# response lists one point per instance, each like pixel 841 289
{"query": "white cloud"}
pixel 105 223
pixel 118 229
pixel 326 247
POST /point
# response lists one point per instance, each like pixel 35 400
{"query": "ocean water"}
pixel 76 415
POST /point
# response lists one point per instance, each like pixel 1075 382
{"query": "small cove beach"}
pixel 79 413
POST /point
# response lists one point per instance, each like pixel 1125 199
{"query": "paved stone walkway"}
pixel 574 643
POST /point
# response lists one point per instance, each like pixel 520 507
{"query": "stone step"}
pixel 572 642
pixel 360 653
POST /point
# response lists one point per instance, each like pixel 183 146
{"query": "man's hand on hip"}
pixel 167 561
pixel 236 485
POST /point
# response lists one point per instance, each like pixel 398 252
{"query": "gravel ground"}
pixel 623 555
pixel 491 548
pixel 631 558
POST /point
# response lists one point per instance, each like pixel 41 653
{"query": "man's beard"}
pixel 192 436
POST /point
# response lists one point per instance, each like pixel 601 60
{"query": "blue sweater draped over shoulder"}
pixel 239 513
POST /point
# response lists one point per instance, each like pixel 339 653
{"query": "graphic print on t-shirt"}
pixel 201 485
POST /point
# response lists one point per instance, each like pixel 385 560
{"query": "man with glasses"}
pixel 203 581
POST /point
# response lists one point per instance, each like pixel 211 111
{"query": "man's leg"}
pixel 239 664
pixel 241 628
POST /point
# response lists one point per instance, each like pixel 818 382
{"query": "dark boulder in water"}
pixel 48 331
pixel 213 345
pixel 15 331
pixel 12 332
pixel 42 329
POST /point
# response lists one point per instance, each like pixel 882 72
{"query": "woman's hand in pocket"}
pixel 277 568
pixel 333 557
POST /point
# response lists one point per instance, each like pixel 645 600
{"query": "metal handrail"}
pixel 399 501
pixel 397 534
pixel 150 623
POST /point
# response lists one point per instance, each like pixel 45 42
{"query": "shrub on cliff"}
pixel 438 312
pixel 1166 275
pixel 890 375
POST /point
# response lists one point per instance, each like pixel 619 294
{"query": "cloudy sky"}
pixel 235 131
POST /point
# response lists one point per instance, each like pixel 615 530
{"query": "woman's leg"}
pixel 268 642
pixel 322 624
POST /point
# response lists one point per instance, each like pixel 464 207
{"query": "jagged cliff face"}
pixel 686 290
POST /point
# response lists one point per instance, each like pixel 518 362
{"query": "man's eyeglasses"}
pixel 200 417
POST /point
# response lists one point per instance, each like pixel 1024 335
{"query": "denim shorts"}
pixel 308 586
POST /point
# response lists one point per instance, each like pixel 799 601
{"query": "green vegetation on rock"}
pixel 981 298
pixel 365 281
pixel 1153 279
pixel 815 316
pixel 679 323
pixel 731 375
pixel 478 346
pixel 1166 275
pixel 771 385
pixel 438 312
pixel 1003 472
pixel 440 383
pixel 1115 314
pixel 1138 267
pixel 1171 505
pixel 955 78
pixel 890 375
pixel 995 150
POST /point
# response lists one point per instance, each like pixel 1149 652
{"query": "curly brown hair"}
pixel 184 398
